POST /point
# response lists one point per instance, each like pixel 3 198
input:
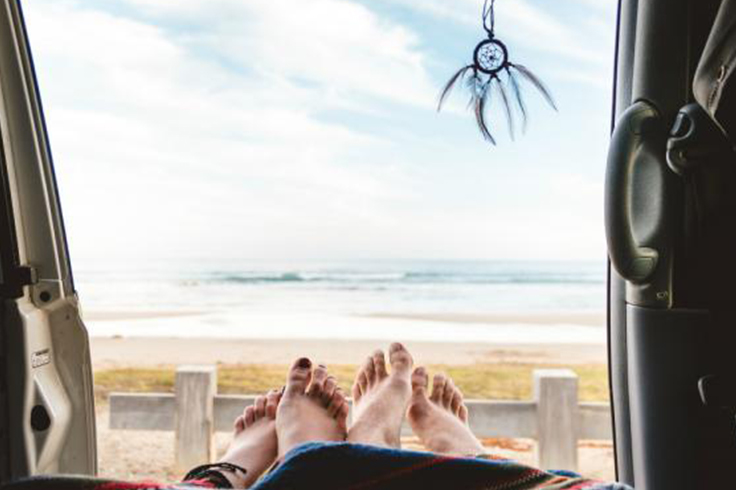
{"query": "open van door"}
pixel 670 214
pixel 46 400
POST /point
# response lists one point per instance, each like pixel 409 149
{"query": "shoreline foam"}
pixel 570 318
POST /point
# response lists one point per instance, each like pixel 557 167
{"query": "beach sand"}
pixel 110 352
pixel 121 351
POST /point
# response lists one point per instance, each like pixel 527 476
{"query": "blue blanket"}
pixel 328 466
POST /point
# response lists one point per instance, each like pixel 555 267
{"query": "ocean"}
pixel 443 301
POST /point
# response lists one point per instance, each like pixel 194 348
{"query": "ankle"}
pixel 446 444
pixel 364 432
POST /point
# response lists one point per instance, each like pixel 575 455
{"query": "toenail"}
pixel 304 363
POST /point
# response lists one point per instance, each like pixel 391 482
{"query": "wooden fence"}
pixel 554 417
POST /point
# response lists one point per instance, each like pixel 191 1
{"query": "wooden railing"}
pixel 554 417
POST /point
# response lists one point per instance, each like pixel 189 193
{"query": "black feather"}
pixel 451 83
pixel 516 90
pixel 474 84
pixel 534 80
pixel 471 102
pixel 480 113
pixel 506 106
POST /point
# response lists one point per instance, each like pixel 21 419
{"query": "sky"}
pixel 285 129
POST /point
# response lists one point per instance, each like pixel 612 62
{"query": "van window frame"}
pixel 10 286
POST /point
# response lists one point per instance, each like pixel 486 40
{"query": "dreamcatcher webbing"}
pixel 484 76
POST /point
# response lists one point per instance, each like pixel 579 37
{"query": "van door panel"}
pixel 48 378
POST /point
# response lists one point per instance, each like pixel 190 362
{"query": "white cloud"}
pixel 200 127
pixel 606 6
pixel 152 136
pixel 526 24
pixel 329 42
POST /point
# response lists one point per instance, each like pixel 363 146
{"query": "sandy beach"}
pixel 166 349
pixel 159 351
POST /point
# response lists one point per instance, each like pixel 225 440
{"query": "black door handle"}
pixel 638 129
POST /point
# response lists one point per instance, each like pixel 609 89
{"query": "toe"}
pixel 463 413
pixel 369 368
pixel 438 387
pixel 357 393
pixel 401 360
pixel 419 406
pixel 316 388
pixel 379 361
pixel 448 393
pixel 260 406
pixel 272 403
pixel 363 382
pixel 337 400
pixel 239 424
pixel 419 382
pixel 342 417
pixel 330 386
pixel 457 401
pixel 250 416
pixel 299 376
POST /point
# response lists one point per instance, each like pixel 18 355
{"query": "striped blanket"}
pixel 343 466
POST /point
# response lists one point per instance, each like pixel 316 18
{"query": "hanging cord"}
pixel 489 17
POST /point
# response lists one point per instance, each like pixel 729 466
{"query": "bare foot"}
pixel 312 408
pixel 254 445
pixel 380 399
pixel 441 421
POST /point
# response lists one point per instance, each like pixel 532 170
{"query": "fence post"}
pixel 556 394
pixel 195 388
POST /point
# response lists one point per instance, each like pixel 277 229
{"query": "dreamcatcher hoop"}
pixel 491 56
pixel 490 63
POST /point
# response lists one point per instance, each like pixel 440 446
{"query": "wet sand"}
pixel 159 351
pixel 585 319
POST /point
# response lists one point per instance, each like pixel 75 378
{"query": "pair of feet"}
pixel 312 407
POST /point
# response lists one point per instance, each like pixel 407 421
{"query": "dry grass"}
pixel 497 381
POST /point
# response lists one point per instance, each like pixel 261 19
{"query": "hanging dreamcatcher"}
pixel 490 71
